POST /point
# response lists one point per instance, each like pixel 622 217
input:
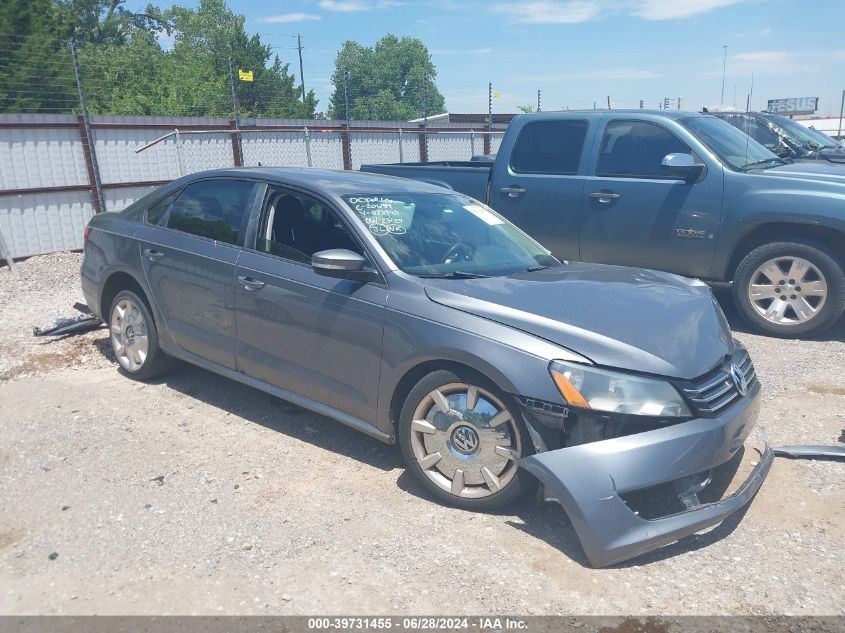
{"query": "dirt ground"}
pixel 197 495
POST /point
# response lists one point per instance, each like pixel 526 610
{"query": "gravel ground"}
pixel 196 495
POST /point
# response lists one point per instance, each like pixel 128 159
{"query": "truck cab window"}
pixel 549 147
pixel 635 149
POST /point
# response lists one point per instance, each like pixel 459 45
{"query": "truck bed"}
pixel 469 177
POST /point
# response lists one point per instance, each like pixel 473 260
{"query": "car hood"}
pixel 815 170
pixel 628 318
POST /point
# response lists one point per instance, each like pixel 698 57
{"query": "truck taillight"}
pixel 86 233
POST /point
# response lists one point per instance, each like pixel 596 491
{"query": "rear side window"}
pixel 215 209
pixel 636 149
pixel 160 211
pixel 549 147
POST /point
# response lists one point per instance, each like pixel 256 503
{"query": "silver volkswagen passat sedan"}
pixel 422 317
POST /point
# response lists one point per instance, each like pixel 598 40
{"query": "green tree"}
pixel 206 40
pixel 392 80
pixel 527 109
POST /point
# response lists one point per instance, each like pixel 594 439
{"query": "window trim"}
pixel 514 170
pixel 637 176
pixel 242 230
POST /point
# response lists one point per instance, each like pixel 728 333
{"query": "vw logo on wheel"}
pixel 739 380
pixel 465 439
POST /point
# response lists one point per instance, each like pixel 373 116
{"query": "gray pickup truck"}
pixel 681 192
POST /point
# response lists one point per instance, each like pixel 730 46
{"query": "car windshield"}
pixel 804 135
pixel 735 148
pixel 447 235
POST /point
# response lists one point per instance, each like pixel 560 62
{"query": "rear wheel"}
pixel 790 289
pixel 461 438
pixel 134 338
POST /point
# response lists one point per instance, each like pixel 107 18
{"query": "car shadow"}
pixel 271 412
pixel 739 324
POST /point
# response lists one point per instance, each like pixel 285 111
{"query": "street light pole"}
pixel 724 69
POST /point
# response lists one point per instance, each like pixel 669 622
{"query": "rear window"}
pixel 549 147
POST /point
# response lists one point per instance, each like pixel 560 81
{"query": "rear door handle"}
pixel 250 284
pixel 513 192
pixel 604 196
pixel 153 254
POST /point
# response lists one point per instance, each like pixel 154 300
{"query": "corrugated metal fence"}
pixel 47 190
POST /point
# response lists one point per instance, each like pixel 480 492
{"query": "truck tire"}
pixel 790 289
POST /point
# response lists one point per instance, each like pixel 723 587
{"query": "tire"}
pixel 790 289
pixel 134 338
pixel 463 444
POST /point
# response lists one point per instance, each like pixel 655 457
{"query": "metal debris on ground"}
pixel 71 325
pixel 811 451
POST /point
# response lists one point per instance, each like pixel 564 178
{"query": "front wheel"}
pixel 461 438
pixel 790 289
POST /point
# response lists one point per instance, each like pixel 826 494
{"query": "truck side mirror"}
pixel 682 166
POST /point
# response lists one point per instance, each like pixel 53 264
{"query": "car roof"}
pixel 336 182
pixel 666 114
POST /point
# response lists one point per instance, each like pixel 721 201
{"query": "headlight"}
pixel 602 390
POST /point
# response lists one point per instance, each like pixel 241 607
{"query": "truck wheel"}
pixel 790 289
pixel 461 438
pixel 134 339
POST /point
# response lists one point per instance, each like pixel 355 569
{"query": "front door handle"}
pixel 250 284
pixel 513 192
pixel 604 196
pixel 153 254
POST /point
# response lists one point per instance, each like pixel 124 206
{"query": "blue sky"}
pixel 580 51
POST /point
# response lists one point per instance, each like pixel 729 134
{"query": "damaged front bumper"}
pixel 590 480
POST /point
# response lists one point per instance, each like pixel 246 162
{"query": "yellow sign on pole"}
pixel 244 75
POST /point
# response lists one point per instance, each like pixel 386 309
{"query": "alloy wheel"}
pixel 465 440
pixel 129 335
pixel 787 290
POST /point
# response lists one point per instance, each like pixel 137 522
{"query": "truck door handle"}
pixel 604 196
pixel 513 192
pixel 250 284
pixel 153 254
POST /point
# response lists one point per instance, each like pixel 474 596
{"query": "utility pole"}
pixel 608 102
pixel 642 105
pixel 538 101
pixel 841 112
pixel 679 103
pixel 346 93
pixel 724 70
pixel 86 121
pixel 301 73
pixel 235 109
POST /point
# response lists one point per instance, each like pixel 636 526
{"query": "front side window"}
pixel 295 226
pixel 549 147
pixel 447 234
pixel 635 149
pixel 214 209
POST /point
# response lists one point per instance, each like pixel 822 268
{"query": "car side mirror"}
pixel 341 263
pixel 682 166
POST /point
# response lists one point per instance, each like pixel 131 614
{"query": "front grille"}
pixel 714 392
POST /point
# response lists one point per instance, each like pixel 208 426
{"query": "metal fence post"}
pixel 89 150
pixel 345 146
pixel 179 155
pixel 401 153
pixel 307 147
pixel 423 134
pixel 472 143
